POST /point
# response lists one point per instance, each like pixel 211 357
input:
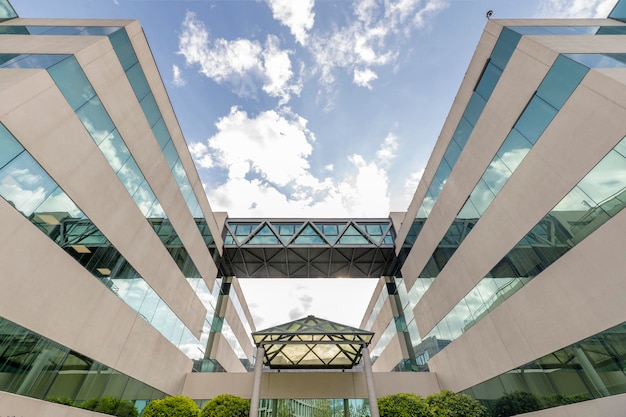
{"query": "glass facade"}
pixel 6 10
pixel 26 186
pixel 495 65
pixel 34 366
pixel 592 368
pixel 599 196
pixel 560 81
pixel 79 93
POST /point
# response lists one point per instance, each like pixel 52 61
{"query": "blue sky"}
pixel 304 108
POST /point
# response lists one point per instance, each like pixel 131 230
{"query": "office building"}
pixel 505 274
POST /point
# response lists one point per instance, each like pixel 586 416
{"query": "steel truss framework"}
pixel 293 248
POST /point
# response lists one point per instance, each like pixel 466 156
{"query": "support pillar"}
pixel 369 382
pixel 591 372
pixel 256 386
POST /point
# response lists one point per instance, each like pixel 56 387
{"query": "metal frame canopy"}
pixel 312 343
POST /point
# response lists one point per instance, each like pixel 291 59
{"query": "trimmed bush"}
pixel 226 405
pixel 110 405
pixel 517 402
pixel 60 400
pixel 449 404
pixel 404 405
pixel 177 406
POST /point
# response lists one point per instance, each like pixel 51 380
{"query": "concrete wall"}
pixel 309 384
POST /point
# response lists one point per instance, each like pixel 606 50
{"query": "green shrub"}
pixel 110 405
pixel 404 405
pixel 226 405
pixel 61 400
pixel 449 404
pixel 517 402
pixel 177 406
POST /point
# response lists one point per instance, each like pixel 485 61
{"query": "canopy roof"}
pixel 312 343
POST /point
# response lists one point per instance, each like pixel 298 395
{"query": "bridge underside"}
pixel 329 248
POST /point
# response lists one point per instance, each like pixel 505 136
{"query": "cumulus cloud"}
pixel 577 8
pixel 298 16
pixel 371 38
pixel 266 161
pixel 242 64
pixel 177 76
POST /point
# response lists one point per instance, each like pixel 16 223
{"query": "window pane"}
pixel 95 119
pixel 123 49
pixel 535 119
pixel 474 108
pixel 513 150
pixel 72 82
pixel 150 109
pixel 9 147
pixel 138 81
pixel 114 150
pixel 561 81
pixel 24 184
pixel 488 81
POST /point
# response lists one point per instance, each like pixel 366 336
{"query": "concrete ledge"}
pixel 203 386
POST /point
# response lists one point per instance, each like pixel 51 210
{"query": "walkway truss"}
pixel 326 248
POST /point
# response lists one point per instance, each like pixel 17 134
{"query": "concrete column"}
pixel 256 386
pixel 36 370
pixel 591 372
pixel 369 382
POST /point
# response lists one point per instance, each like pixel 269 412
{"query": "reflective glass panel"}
pixel 72 82
pixel 535 119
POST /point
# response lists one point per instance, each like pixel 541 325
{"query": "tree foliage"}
pixel 60 400
pixel 111 405
pixel 404 405
pixel 449 404
pixel 517 402
pixel 226 405
pixel 177 406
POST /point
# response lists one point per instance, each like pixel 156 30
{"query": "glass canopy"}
pixel 312 343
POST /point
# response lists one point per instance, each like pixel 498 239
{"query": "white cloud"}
pixel 388 149
pixel 364 78
pixel 177 76
pixel 371 39
pixel 321 297
pixel 241 63
pixel 266 160
pixel 577 8
pixel 297 15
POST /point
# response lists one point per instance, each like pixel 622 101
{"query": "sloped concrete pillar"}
pixel 256 386
pixel 369 382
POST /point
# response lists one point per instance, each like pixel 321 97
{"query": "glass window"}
pixel 131 176
pixel 504 47
pixel 24 184
pixel 169 152
pixel 12 30
pixel 462 132
pixel 9 147
pixel 144 198
pixel 161 133
pixel 606 180
pixel 513 150
pixel 488 81
pixel 34 61
pixel 535 119
pixel 72 82
pixel 561 81
pixel 114 150
pixel 496 175
pixel 452 153
pixel 6 11
pixel 95 119
pixel 474 108
pixel 123 48
pixel 308 236
pixel 138 81
pixel 481 197
pixel 150 109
